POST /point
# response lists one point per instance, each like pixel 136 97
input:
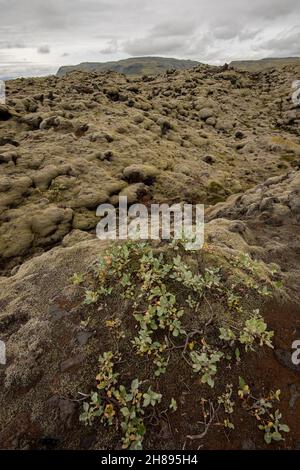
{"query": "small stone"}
pixel 206 113
pixel 140 174
pixel 239 135
pixel 290 116
pixel 209 159
pixel 108 156
pixel 33 121
pixel 67 410
pixel 72 363
pixel 224 125
pixel 267 203
pixel 56 312
pixel 83 337
pixel 211 121
pixel 237 227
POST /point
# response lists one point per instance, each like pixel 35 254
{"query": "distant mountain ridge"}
pixel 264 64
pixel 133 66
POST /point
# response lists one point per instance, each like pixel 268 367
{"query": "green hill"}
pixel 132 66
pixel 264 64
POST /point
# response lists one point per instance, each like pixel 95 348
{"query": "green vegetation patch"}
pixel 169 314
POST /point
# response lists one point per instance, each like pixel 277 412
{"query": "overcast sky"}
pixel 37 36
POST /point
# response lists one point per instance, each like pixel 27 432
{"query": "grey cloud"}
pixel 44 50
pixel 152 46
pixel 113 29
pixel 272 9
pixel 173 28
pixel 248 33
pixel 201 46
pixel 12 45
pixel 226 31
pixel 111 47
pixel 234 30
pixel 286 44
